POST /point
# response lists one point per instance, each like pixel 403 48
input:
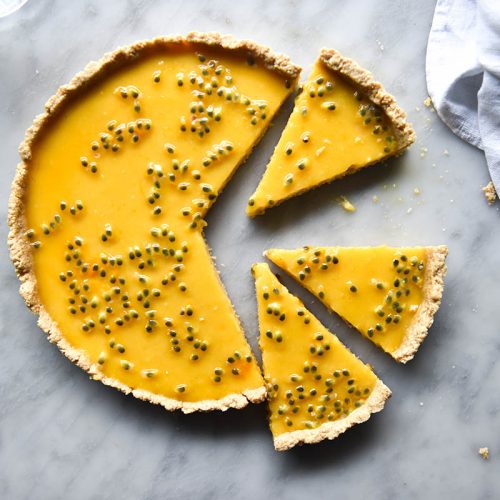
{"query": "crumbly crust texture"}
pixel 20 250
pixel 424 317
pixel 490 193
pixel 374 91
pixel 330 430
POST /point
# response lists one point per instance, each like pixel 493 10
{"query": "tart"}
pixel 317 387
pixel 107 214
pixel 389 294
pixel 343 120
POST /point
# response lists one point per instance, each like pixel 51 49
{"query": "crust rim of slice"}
pixel 374 91
pixel 331 430
pixel 20 251
pixel 433 292
pixel 424 317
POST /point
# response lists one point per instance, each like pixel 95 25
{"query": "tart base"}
pixel 330 430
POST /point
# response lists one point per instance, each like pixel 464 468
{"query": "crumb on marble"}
pixel 416 191
pixel 375 199
pixel 427 102
pixel 490 193
pixel 346 204
pixel 446 152
pixel 423 151
pixel 484 452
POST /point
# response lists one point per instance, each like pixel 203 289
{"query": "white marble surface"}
pixel 62 436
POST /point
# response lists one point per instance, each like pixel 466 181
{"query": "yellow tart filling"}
pixel 334 130
pixel 119 185
pixel 312 377
pixel 377 290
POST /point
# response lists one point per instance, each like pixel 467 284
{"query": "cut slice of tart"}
pixel 389 294
pixel 317 387
pixel 107 215
pixel 343 120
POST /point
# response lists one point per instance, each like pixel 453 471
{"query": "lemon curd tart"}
pixel 317 387
pixel 107 214
pixel 388 294
pixel 343 120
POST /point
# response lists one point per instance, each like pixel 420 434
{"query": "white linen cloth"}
pixel 463 73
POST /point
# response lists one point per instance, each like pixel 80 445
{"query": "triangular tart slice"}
pixel 389 294
pixel 317 388
pixel 343 120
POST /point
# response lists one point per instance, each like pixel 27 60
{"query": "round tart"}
pixel 107 214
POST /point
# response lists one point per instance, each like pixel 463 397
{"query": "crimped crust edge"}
pixel 424 317
pixel 374 91
pixel 330 430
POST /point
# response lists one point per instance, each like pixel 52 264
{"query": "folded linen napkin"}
pixel 463 73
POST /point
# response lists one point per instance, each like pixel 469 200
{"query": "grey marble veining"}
pixel 63 436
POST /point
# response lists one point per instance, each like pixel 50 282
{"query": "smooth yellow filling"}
pixel 378 290
pixel 333 130
pixel 312 377
pixel 119 185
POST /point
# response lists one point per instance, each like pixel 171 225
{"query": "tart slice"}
pixel 107 215
pixel 389 294
pixel 343 120
pixel 317 387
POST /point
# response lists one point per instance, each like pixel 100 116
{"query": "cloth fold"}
pixel 463 73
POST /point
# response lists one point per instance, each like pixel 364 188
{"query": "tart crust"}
pixel 330 430
pixel 424 317
pixel 20 250
pixel 374 91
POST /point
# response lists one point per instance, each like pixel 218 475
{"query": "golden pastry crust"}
pixel 330 430
pixel 490 193
pixel 424 317
pixel 374 91
pixel 20 250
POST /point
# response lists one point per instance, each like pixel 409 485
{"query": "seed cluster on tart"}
pixel 390 295
pixel 107 215
pixel 317 387
pixel 343 120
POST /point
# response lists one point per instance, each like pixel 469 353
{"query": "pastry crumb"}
pixel 346 204
pixel 375 199
pixel 427 102
pixel 484 452
pixel 416 191
pixel 490 193
pixel 410 210
pixel 446 152
pixel 423 151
